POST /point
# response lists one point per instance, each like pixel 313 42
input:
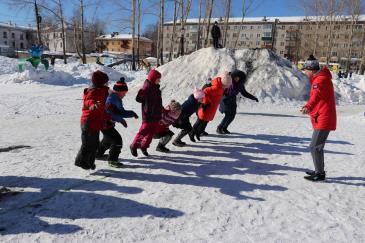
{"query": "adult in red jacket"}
pixel 92 120
pixel 321 107
pixel 212 98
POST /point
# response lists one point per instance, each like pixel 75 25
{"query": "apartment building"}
pixel 116 43
pixel 52 39
pixel 291 37
pixel 16 37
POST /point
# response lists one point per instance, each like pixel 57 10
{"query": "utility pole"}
pixel 39 20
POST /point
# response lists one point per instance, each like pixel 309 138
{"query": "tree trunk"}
pixel 63 32
pixel 76 42
pixel 200 16
pixel 38 20
pixel 227 14
pixel 138 32
pixel 173 32
pixel 243 18
pixel 182 28
pixel 82 32
pixel 210 10
pixel 133 33
pixel 161 26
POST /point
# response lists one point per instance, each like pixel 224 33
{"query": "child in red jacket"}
pixel 170 115
pixel 150 98
pixel 92 119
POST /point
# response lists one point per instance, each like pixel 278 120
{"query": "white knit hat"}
pixel 226 79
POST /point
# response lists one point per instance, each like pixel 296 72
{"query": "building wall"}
pixel 124 46
pixel 17 38
pixel 293 40
pixel 53 40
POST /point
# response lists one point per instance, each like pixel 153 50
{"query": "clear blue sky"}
pixel 112 15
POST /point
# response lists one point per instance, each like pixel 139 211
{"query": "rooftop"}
pixel 15 26
pixel 267 19
pixel 121 37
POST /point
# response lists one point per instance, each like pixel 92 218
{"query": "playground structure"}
pixel 35 60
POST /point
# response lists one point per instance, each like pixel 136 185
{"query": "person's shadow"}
pixel 67 198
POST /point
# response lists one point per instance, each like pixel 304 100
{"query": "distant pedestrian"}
pixel 216 34
pixel 322 109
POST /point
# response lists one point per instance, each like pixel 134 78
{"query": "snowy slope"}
pixel 245 187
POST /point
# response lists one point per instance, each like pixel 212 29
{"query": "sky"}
pixel 113 15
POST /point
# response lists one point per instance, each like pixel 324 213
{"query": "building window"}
pixel 21 45
pixel 258 35
pixel 13 43
pixel 281 52
pixel 5 35
pixel 21 37
pixel 257 43
pixel 5 42
pixel 251 27
pixel 13 35
pixel 282 43
pixel 61 44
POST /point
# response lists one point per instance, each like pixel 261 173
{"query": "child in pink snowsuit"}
pixel 150 98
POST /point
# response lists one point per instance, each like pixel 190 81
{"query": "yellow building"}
pixel 116 43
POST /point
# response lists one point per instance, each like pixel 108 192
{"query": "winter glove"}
pixel 304 110
pixel 124 123
pixel 94 106
pixel 140 96
pixel 135 115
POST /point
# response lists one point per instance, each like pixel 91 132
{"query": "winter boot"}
pixel 316 177
pixel 133 151
pixel 226 131
pixel 220 130
pixel 204 133
pixel 178 143
pixel 191 136
pixel 161 148
pixel 312 172
pixel 115 164
pixel 144 152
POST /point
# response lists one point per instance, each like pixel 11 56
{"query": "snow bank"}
pixel 8 65
pixel 350 90
pixel 270 76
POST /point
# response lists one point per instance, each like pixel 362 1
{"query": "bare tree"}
pixel 199 25
pixel 138 29
pixel 172 39
pixel 185 10
pixel 247 6
pixel 133 33
pixel 354 8
pixel 208 16
pixel 227 12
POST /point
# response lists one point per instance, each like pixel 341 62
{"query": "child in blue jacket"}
pixel 111 137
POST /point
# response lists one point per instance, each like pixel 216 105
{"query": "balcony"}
pixel 266 38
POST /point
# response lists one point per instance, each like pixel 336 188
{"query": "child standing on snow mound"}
pixel 150 98
pixel 169 115
pixel 213 95
pixel 111 137
pixel 92 119
pixel 189 107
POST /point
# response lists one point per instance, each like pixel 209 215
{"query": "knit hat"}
pixel 120 86
pixel 153 75
pixel 99 78
pixel 226 79
pixel 175 106
pixel 198 94
pixel 311 64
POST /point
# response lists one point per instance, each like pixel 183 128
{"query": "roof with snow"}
pixel 15 26
pixel 121 37
pixel 293 19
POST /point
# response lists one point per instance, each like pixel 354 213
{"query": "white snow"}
pixel 245 187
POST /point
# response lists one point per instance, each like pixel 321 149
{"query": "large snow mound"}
pixel 270 77
pixel 350 90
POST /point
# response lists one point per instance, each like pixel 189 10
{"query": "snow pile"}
pixel 270 77
pixel 8 65
pixel 350 90
pixel 62 74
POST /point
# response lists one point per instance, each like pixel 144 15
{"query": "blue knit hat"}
pixel 311 64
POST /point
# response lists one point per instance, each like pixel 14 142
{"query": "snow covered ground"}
pixel 243 187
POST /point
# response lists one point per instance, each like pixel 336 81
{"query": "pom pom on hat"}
pixel 120 86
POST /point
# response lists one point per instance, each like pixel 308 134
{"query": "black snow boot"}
pixel 220 130
pixel 161 148
pixel 144 152
pixel 133 151
pixel 316 177
pixel 191 136
pixel 226 131
pixel 204 133
pixel 178 143
pixel 311 172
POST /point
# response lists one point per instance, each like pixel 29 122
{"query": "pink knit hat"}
pixel 153 75
pixel 198 94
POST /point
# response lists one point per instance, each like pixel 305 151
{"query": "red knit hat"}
pixel 99 78
pixel 153 75
pixel 120 86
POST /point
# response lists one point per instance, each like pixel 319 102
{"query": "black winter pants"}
pixel 89 144
pixel 227 120
pixel 112 141
pixel 216 43
pixel 199 127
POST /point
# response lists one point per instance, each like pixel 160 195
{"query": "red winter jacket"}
pixel 94 120
pixel 213 95
pixel 150 97
pixel 322 104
